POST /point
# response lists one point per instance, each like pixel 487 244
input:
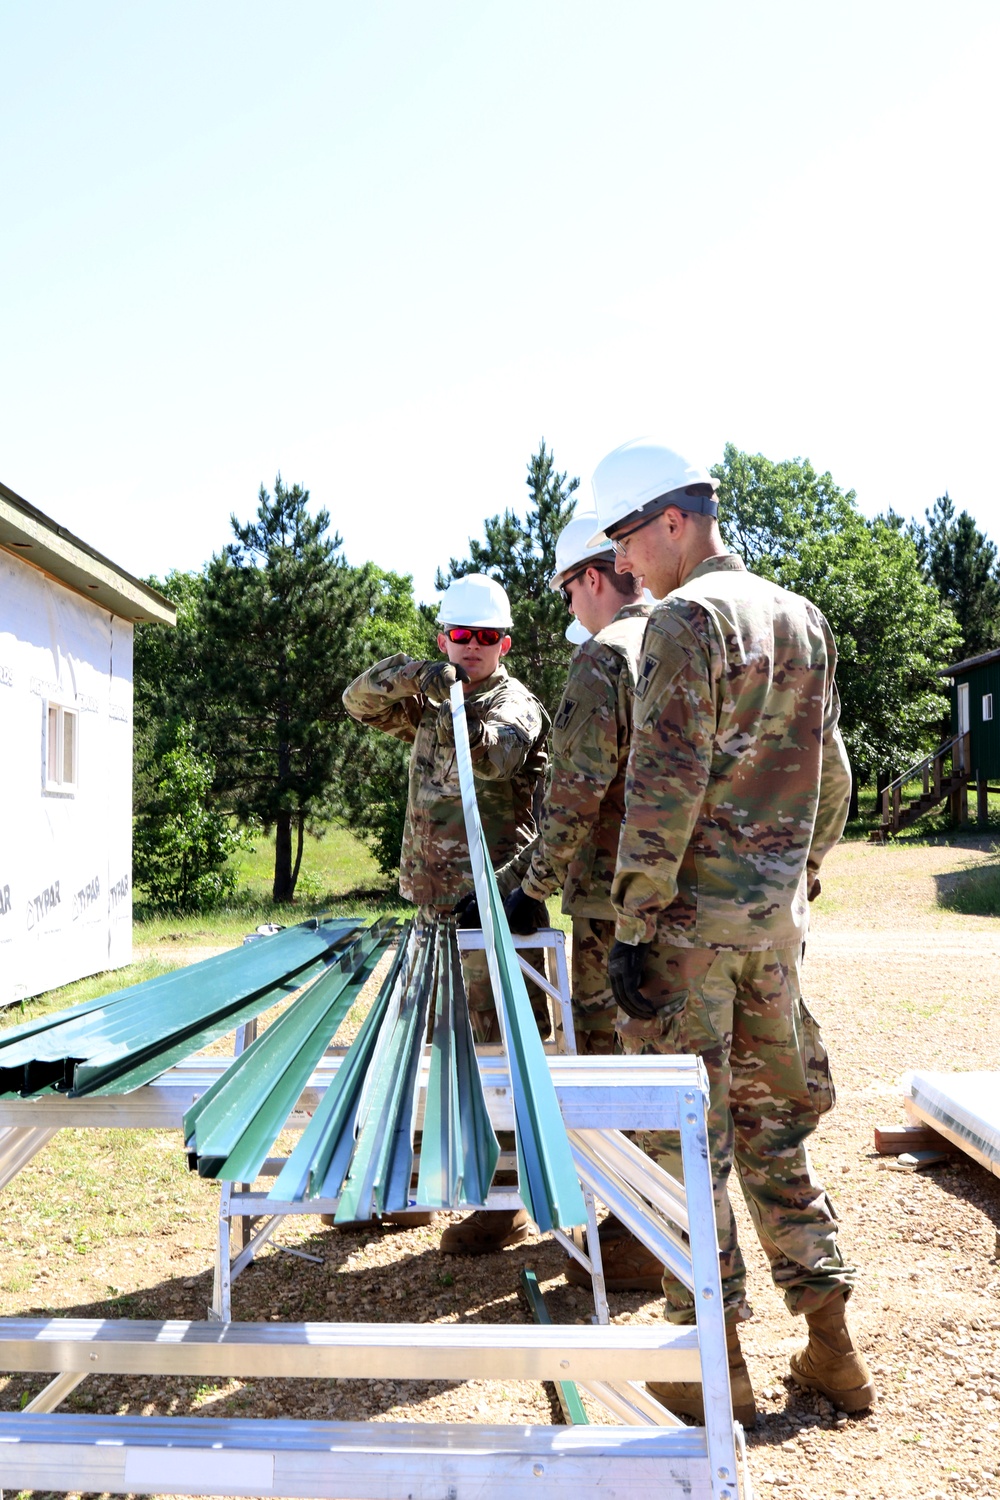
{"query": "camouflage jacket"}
pixel 585 796
pixel 738 780
pixel 508 763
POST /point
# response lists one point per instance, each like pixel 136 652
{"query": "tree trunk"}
pixel 300 827
pixel 284 883
pixel 853 810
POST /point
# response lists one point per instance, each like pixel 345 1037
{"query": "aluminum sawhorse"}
pixel 652 1454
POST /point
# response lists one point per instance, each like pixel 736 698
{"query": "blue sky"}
pixel 386 248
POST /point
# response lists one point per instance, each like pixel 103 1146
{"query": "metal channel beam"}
pixel 378 1175
pixel 402 1351
pixel 631 1403
pixel 459 1150
pixel 566 1392
pixel 332 1460
pixel 56 1391
pixel 623 1156
pixel 326 1143
pixel 630 1207
pixel 18 1144
pixel 546 1174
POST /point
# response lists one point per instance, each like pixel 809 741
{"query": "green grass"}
pixel 338 877
pixel 933 826
pixel 975 893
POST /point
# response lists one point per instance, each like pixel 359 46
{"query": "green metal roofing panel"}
pixel 232 1127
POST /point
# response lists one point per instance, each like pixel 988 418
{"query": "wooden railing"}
pixel 931 770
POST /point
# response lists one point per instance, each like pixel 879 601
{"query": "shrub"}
pixel 181 844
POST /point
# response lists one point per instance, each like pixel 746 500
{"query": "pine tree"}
pixel 963 566
pixel 272 654
pixel 522 555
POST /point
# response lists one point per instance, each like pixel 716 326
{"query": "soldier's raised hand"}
pixel 435 679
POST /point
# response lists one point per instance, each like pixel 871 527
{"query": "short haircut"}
pixel 622 583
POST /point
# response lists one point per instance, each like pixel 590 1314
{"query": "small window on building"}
pixel 987 706
pixel 60 748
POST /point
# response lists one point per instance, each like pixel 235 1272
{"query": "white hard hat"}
pixel 577 632
pixel 645 476
pixel 574 549
pixel 475 600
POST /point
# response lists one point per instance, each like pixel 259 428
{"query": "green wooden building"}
pixel 975 710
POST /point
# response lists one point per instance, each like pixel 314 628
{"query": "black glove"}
pixel 814 888
pixel 446 727
pixel 524 914
pixel 626 966
pixel 466 912
pixel 437 678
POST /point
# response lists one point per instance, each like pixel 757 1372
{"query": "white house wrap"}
pixel 66 621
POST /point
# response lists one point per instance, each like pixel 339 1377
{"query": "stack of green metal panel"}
pixel 232 1127
pixel 123 1040
pixel 359 1146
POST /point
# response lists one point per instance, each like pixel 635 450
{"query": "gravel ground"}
pixel 896 983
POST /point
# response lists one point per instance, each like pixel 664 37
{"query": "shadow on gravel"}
pixel 966 1180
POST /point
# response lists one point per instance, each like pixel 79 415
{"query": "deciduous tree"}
pixel 892 631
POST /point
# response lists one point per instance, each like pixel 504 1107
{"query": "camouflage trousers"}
pixel 769 1079
pixel 482 1007
pixel 594 1008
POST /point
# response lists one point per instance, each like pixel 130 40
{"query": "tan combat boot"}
pixel 487 1230
pixel 684 1397
pixel 628 1266
pixel 830 1363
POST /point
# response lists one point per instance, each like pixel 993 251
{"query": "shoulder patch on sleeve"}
pixel 564 717
pixel 663 658
pixel 646 672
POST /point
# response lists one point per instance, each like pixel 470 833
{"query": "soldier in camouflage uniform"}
pixel 409 700
pixel 507 725
pixel 737 787
pixel 585 793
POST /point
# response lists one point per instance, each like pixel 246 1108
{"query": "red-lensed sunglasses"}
pixel 463 634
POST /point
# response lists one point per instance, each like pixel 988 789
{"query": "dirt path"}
pixel 897 983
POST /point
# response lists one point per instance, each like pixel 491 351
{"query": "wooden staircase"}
pixel 939 782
